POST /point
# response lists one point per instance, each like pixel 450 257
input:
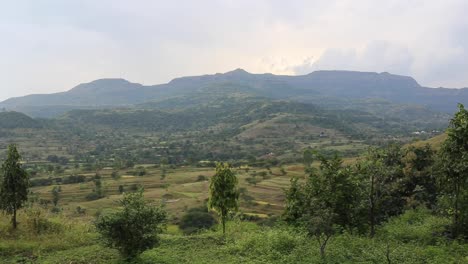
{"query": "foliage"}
pixel 14 184
pixel 416 226
pixel 224 195
pixel 56 194
pixel 453 165
pixel 329 198
pixel 133 229
pixel 308 157
pixel 381 173
pixel 419 177
pixel 196 219
pixel 295 202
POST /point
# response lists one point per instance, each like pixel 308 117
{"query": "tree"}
pixel 308 158
pixel 98 187
pixel 420 187
pixel 56 194
pixel 98 192
pixel 133 229
pixel 328 199
pixel 453 165
pixel 381 173
pixel 295 200
pixel 223 192
pixel 15 184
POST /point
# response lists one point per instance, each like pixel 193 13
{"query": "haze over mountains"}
pixel 329 89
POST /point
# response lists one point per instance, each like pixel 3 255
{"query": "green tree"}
pixel 328 199
pixel 224 195
pixel 15 184
pixel 56 194
pixel 381 178
pixel 98 187
pixel 420 187
pixel 308 158
pixel 454 171
pixel 133 229
pixel 295 202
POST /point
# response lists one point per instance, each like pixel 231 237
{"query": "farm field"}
pixel 180 189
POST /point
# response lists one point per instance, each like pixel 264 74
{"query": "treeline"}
pixel 336 198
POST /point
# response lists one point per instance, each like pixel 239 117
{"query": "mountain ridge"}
pixel 318 87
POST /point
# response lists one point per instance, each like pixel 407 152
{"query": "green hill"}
pixel 338 89
pixel 11 120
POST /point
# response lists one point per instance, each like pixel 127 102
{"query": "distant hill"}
pixel 435 142
pixel 329 89
pixel 11 120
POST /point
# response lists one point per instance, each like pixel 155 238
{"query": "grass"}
pixel 245 242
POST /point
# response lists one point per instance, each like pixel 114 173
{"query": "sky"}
pixel 52 45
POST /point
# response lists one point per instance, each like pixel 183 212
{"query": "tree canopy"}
pixel 14 184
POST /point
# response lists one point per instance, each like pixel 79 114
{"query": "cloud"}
pixel 53 45
pixel 376 56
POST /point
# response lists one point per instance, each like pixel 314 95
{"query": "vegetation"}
pixel 135 228
pixel 454 175
pixel 291 183
pixel 195 220
pixel 14 185
pixel 223 192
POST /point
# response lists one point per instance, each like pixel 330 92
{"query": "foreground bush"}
pixel 135 228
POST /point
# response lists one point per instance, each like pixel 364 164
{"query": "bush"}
pixel 416 226
pixel 39 224
pixel 74 179
pixel 270 245
pixel 93 196
pixel 135 228
pixel 201 178
pixel 196 219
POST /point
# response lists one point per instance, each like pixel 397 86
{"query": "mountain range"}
pixel 367 91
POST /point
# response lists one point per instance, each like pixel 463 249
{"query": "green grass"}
pixel 245 243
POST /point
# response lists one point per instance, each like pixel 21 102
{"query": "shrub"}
pixel 93 196
pixel 416 226
pixel 39 224
pixel 80 210
pixel 196 219
pixel 201 178
pixel 133 229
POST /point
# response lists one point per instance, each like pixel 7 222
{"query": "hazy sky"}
pixel 49 46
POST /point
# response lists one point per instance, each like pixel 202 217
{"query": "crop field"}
pixel 181 189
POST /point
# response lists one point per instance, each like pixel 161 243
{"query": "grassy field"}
pixel 65 240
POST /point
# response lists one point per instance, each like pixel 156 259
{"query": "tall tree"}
pixel 454 171
pixel 14 185
pixel 224 195
pixel 419 181
pixel 381 173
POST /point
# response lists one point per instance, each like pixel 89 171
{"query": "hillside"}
pixel 11 120
pixel 435 142
pixel 331 89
